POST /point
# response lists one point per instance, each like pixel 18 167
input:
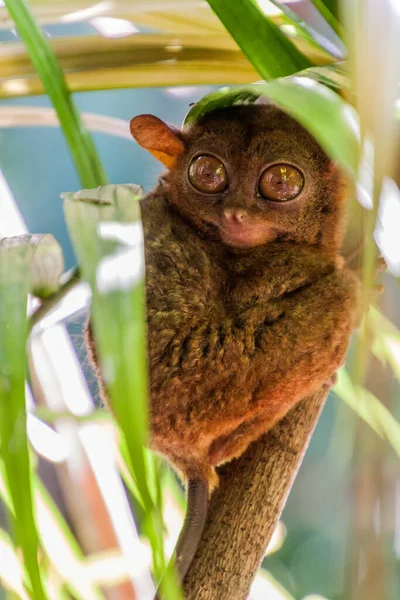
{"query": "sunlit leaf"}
pixel 333 76
pixel 329 9
pixel 369 408
pixel 309 33
pixel 386 339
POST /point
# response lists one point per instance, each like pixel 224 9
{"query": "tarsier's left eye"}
pixel 281 183
pixel 208 175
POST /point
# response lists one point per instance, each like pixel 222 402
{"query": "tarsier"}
pixel 249 303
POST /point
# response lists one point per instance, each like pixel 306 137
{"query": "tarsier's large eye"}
pixel 281 183
pixel 208 175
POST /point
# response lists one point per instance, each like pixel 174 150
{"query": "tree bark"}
pixel 245 508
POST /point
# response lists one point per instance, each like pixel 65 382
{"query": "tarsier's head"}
pixel 248 175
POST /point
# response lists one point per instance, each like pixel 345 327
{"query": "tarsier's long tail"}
pixel 193 526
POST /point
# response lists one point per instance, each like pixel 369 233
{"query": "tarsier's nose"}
pixel 235 215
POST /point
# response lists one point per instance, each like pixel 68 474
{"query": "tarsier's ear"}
pixel 154 135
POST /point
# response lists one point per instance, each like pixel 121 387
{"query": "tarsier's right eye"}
pixel 208 175
pixel 281 183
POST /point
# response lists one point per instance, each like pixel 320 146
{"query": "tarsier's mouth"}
pixel 247 235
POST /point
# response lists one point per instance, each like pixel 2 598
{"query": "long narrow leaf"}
pixel 332 76
pixel 14 287
pixel 106 232
pixel 267 48
pixel 369 408
pixel 309 33
pixel 329 10
pixel 79 141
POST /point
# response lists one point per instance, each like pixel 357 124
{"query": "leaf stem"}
pixel 49 303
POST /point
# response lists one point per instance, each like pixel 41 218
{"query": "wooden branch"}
pixel 245 508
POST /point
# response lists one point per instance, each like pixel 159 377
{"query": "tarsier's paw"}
pixel 331 381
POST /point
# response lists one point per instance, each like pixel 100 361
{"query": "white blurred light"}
pixel 76 300
pixel 174 48
pixel 11 221
pixel 268 8
pixel 47 442
pixel 277 539
pixel 100 8
pixel 314 597
pixel 173 519
pixel 125 268
pixel 393 346
pixel 351 116
pixel 113 28
pixel 265 587
pixel 44 116
pixel 181 91
pixel 365 183
pixel 387 230
pixel 290 29
pixel 15 86
pixel 10 569
pixel 108 568
pixel 70 381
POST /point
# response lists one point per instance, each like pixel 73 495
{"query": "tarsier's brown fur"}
pixel 239 334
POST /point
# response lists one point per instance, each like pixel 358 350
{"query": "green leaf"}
pixel 329 9
pixel 321 111
pixel 226 96
pixel 267 48
pixel 15 262
pixel 104 225
pixel 47 263
pixel 369 408
pixel 79 141
pixel 332 76
pixel 106 232
pixel 386 339
pixel 308 33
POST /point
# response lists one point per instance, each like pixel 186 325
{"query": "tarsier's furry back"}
pixel 249 305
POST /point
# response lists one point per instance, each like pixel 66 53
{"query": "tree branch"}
pixel 245 508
